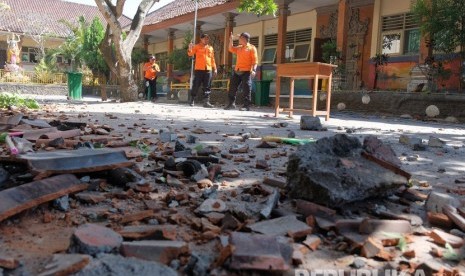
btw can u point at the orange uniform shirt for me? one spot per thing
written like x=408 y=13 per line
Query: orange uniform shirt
x=204 y=57
x=246 y=57
x=151 y=70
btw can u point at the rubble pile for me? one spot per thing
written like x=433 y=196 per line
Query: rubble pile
x=103 y=200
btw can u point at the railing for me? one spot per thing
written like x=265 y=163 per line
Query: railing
x=222 y=85
x=32 y=77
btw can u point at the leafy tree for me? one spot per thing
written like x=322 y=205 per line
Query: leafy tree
x=93 y=36
x=258 y=7
x=72 y=48
x=179 y=57
x=443 y=23
x=120 y=62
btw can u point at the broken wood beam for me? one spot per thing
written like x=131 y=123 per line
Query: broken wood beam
x=386 y=165
x=451 y=212
x=274 y=182
x=26 y=196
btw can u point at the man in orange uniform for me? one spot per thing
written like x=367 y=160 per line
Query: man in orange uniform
x=204 y=69
x=151 y=69
x=244 y=72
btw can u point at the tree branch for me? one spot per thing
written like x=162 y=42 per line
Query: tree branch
x=137 y=23
x=109 y=12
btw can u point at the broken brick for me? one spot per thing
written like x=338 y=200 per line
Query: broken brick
x=66 y=264
x=257 y=252
x=378 y=227
x=136 y=216
x=312 y=241
x=93 y=239
x=8 y=263
x=157 y=232
x=308 y=208
x=159 y=251
x=439 y=219
x=441 y=237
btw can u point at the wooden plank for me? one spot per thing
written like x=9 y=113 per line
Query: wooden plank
x=18 y=199
x=76 y=161
x=386 y=165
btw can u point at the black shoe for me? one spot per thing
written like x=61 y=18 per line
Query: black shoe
x=191 y=103
x=207 y=105
x=245 y=108
x=230 y=106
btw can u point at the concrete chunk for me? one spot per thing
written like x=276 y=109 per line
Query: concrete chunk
x=280 y=226
x=159 y=251
x=258 y=252
x=65 y=264
x=93 y=239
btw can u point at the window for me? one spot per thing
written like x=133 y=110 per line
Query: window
x=400 y=35
x=269 y=55
x=297 y=46
x=162 y=60
x=28 y=54
x=301 y=52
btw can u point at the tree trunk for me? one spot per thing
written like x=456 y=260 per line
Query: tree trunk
x=128 y=86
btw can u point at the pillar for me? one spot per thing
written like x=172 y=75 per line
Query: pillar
x=283 y=7
x=229 y=25
x=171 y=37
x=342 y=26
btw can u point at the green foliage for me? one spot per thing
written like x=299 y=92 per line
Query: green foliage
x=179 y=57
x=72 y=48
x=402 y=245
x=380 y=59
x=46 y=69
x=450 y=254
x=258 y=7
x=92 y=56
x=329 y=49
x=7 y=100
x=444 y=22
x=138 y=56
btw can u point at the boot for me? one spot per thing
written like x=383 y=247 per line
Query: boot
x=207 y=104
x=191 y=102
x=206 y=101
x=230 y=106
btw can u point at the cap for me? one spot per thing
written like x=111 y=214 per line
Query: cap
x=153 y=57
x=204 y=35
x=246 y=36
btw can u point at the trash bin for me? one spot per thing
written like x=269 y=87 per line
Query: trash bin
x=262 y=92
x=75 y=85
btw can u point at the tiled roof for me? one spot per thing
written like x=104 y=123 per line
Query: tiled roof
x=46 y=14
x=178 y=8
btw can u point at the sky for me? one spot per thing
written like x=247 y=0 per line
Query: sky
x=130 y=7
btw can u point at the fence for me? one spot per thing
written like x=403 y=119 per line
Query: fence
x=32 y=77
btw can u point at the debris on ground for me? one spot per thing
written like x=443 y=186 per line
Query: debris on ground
x=89 y=195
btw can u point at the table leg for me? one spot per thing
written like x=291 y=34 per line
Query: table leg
x=315 y=95
x=278 y=94
x=291 y=97
x=328 y=97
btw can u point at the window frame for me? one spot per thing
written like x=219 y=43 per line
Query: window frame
x=294 y=51
x=405 y=25
x=274 y=55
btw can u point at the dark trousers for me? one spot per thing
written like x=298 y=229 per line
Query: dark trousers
x=239 y=79
x=153 y=88
x=204 y=78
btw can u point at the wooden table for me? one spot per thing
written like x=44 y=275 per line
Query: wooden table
x=307 y=70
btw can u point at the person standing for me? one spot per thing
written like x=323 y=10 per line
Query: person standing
x=204 y=69
x=244 y=70
x=151 y=69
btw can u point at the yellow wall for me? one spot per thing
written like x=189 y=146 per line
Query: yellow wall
x=389 y=7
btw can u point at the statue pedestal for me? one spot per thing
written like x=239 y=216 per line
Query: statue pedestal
x=418 y=80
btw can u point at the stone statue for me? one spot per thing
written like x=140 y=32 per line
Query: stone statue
x=12 y=53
